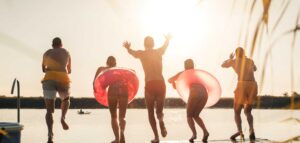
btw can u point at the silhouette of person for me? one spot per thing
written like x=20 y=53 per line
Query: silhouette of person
x=196 y=102
x=56 y=65
x=155 y=88
x=245 y=93
x=117 y=97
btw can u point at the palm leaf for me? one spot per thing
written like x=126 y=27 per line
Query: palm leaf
x=266 y=4
x=292 y=60
x=260 y=38
x=242 y=25
x=254 y=39
x=281 y=15
x=249 y=19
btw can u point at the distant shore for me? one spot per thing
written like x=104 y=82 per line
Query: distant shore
x=266 y=102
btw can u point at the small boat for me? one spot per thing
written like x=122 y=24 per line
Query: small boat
x=82 y=112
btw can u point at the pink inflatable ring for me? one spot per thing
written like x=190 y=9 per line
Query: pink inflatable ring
x=189 y=77
x=111 y=76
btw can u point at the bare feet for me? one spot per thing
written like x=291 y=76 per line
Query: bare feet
x=115 y=141
x=50 y=138
x=205 y=137
x=64 y=124
x=163 y=129
x=122 y=139
x=155 y=141
x=236 y=135
x=252 y=136
x=192 y=138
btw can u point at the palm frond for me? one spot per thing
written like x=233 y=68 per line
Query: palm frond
x=280 y=16
x=248 y=22
x=292 y=61
x=242 y=25
x=266 y=4
x=260 y=38
x=254 y=39
x=264 y=67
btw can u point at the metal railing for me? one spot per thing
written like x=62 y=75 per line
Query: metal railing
x=18 y=96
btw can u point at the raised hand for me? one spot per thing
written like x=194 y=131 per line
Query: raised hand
x=174 y=85
x=168 y=36
x=126 y=44
x=231 y=56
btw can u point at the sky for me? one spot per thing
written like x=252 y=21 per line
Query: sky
x=205 y=30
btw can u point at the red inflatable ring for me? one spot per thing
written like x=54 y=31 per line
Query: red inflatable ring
x=111 y=76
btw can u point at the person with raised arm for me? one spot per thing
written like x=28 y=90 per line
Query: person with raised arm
x=155 y=88
x=245 y=93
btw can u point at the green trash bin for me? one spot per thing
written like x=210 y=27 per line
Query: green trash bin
x=10 y=132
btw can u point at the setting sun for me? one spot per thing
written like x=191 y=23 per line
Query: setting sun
x=183 y=19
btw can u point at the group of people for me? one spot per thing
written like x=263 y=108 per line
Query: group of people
x=57 y=65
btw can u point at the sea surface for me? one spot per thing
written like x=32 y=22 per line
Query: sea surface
x=274 y=125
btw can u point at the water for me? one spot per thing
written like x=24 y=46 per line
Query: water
x=95 y=127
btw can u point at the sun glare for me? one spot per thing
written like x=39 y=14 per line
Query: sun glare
x=183 y=19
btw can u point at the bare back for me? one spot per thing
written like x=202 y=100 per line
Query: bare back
x=56 y=59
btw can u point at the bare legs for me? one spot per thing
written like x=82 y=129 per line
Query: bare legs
x=196 y=103
x=49 y=117
x=65 y=104
x=200 y=122
x=151 y=118
x=245 y=96
x=155 y=92
x=237 y=116
x=192 y=127
x=247 y=111
x=50 y=105
x=238 y=121
x=118 y=128
x=122 y=113
x=150 y=101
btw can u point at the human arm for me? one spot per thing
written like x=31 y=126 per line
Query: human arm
x=228 y=63
x=173 y=79
x=43 y=64
x=134 y=53
x=43 y=67
x=254 y=66
x=164 y=47
x=69 y=66
x=100 y=69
